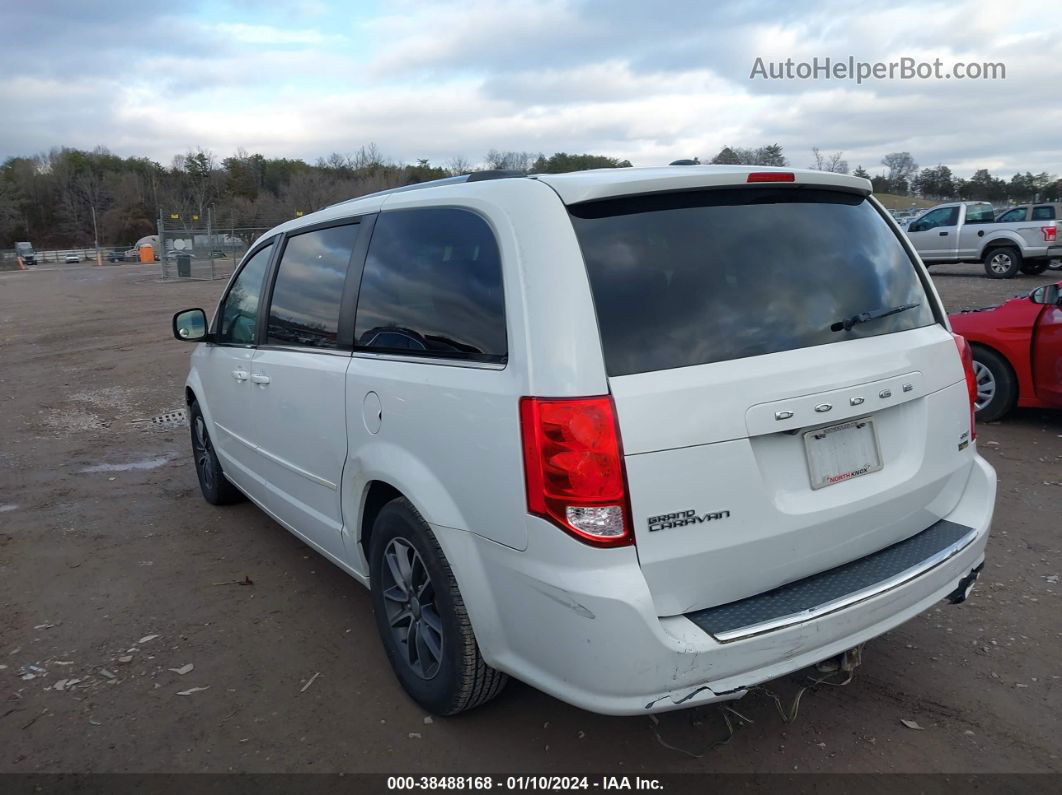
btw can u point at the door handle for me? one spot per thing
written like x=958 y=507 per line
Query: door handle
x=240 y=375
x=943 y=234
x=260 y=378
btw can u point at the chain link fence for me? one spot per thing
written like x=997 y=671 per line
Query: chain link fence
x=199 y=247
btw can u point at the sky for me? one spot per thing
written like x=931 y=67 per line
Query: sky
x=648 y=81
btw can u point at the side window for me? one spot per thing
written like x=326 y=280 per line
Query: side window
x=945 y=216
x=1044 y=213
x=1010 y=216
x=309 y=288
x=239 y=313
x=432 y=286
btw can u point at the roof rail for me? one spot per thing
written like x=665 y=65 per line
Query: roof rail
x=475 y=176
x=479 y=176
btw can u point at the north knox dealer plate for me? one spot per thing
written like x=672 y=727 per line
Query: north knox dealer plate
x=842 y=452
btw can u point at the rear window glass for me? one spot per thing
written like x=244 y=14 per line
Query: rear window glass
x=980 y=214
x=683 y=279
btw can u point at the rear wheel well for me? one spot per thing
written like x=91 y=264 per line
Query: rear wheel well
x=379 y=495
x=1002 y=242
x=189 y=396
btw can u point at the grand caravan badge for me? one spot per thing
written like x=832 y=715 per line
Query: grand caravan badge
x=683 y=518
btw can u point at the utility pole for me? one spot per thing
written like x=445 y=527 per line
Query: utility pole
x=96 y=235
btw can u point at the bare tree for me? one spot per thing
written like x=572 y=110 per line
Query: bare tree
x=834 y=162
x=511 y=161
x=902 y=169
x=367 y=158
x=458 y=165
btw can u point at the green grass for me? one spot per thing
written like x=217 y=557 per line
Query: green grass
x=893 y=202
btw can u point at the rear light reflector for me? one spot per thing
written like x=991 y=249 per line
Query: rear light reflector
x=1050 y=233
x=771 y=176
x=573 y=468
x=966 y=354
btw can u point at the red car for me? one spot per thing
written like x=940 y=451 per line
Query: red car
x=1017 y=352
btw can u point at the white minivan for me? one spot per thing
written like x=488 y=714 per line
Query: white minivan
x=642 y=438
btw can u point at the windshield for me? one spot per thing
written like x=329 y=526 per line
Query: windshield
x=681 y=279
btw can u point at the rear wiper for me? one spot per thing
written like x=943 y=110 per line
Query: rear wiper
x=874 y=314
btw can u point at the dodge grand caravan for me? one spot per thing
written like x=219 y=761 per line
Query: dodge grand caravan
x=642 y=438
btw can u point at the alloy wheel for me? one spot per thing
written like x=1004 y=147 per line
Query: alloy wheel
x=986 y=385
x=202 y=450
x=409 y=603
x=1000 y=262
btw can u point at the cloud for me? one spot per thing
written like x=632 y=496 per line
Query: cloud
x=267 y=34
x=439 y=79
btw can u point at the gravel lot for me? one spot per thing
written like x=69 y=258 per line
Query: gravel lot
x=113 y=572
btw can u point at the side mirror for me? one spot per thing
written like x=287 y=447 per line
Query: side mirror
x=190 y=325
x=917 y=227
x=1048 y=294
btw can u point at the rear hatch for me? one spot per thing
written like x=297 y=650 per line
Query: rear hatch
x=776 y=420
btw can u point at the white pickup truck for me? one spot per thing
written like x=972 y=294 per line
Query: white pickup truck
x=969 y=232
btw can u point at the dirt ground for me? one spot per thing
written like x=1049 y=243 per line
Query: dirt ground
x=114 y=572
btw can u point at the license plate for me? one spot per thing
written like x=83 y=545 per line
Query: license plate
x=842 y=452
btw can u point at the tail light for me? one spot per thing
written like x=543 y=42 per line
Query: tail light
x=971 y=380
x=573 y=468
x=771 y=176
x=1050 y=233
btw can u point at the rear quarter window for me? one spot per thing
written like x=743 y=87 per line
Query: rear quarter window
x=685 y=279
x=432 y=286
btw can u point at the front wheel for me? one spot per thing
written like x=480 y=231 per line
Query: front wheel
x=212 y=482
x=1002 y=263
x=422 y=618
x=997 y=389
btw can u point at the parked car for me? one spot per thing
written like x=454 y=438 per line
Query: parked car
x=24 y=251
x=1017 y=352
x=1048 y=211
x=574 y=429
x=116 y=255
x=72 y=258
x=969 y=231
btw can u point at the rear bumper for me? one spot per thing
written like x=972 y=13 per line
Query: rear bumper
x=579 y=623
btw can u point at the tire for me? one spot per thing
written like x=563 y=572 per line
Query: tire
x=216 y=488
x=1002 y=262
x=1054 y=264
x=1035 y=267
x=997 y=388
x=443 y=670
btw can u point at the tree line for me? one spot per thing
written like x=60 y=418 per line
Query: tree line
x=50 y=199
x=901 y=175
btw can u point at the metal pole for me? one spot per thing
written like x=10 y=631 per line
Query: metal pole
x=96 y=235
x=210 y=238
x=162 y=248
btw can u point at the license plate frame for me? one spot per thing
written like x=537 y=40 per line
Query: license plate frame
x=842 y=452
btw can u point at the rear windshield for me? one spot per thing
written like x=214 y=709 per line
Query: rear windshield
x=681 y=279
x=980 y=214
